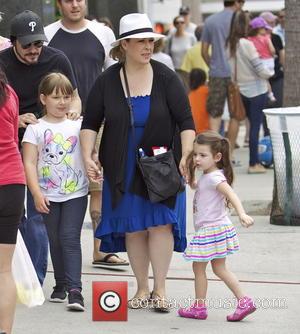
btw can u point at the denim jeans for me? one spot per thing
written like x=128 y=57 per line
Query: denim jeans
x=254 y=107
x=64 y=224
x=34 y=233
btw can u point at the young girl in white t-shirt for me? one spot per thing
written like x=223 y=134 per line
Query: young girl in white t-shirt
x=57 y=180
x=215 y=235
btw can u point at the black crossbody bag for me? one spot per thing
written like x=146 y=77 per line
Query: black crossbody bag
x=160 y=172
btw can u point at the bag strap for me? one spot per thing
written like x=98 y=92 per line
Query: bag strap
x=235 y=68
x=128 y=99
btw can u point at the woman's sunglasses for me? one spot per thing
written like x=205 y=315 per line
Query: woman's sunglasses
x=37 y=44
x=179 y=22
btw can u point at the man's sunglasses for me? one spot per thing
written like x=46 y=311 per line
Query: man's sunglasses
x=37 y=44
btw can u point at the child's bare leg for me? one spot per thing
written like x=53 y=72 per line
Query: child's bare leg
x=270 y=93
x=199 y=269
x=220 y=269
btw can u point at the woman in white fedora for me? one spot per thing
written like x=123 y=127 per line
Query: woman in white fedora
x=130 y=222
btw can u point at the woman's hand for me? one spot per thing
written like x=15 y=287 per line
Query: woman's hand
x=41 y=203
x=183 y=168
x=93 y=170
x=246 y=220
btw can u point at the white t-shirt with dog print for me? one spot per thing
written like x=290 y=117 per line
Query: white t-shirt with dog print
x=61 y=171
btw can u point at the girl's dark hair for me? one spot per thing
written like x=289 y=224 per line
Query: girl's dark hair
x=238 y=29
x=253 y=32
x=217 y=144
x=197 y=78
x=3 y=88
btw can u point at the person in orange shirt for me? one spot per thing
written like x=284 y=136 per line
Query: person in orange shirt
x=198 y=96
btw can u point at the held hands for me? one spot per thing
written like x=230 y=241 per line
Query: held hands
x=73 y=115
x=183 y=168
x=93 y=170
x=25 y=119
x=246 y=220
x=41 y=203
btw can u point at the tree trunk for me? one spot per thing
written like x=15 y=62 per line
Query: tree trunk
x=292 y=63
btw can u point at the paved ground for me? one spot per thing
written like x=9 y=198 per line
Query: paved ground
x=267 y=265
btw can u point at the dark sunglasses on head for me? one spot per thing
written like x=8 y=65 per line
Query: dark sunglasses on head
x=37 y=44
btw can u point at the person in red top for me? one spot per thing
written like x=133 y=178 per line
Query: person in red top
x=12 y=192
x=198 y=97
x=260 y=36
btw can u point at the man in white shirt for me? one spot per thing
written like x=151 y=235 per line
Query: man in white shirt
x=87 y=44
x=280 y=28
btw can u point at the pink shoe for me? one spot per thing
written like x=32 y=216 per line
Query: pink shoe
x=245 y=307
x=194 y=312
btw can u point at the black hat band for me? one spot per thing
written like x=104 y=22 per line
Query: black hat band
x=136 y=31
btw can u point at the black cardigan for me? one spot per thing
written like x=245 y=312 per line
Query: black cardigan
x=169 y=109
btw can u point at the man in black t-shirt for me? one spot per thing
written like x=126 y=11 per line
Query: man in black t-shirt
x=25 y=64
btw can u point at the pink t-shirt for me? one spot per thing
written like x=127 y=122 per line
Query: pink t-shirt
x=4 y=43
x=209 y=205
x=261 y=43
x=11 y=166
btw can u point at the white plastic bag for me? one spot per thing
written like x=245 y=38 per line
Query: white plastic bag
x=29 y=290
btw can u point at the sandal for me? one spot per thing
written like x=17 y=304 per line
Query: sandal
x=107 y=261
x=136 y=303
x=160 y=304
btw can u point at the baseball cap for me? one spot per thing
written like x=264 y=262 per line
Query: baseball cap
x=259 y=22
x=27 y=27
x=184 y=10
x=268 y=16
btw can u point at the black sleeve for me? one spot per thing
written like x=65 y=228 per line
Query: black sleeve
x=178 y=103
x=94 y=112
x=277 y=42
x=66 y=68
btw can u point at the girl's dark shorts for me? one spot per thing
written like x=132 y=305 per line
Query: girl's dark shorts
x=11 y=211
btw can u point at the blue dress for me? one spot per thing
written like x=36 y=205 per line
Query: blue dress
x=135 y=213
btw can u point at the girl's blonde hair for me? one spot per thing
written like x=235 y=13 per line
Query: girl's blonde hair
x=217 y=144
x=55 y=82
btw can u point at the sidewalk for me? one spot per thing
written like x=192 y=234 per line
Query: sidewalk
x=267 y=265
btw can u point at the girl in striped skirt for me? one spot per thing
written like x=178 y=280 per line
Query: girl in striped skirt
x=215 y=236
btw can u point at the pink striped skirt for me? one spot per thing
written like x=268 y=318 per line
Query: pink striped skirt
x=212 y=242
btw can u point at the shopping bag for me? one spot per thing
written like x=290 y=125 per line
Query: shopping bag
x=29 y=290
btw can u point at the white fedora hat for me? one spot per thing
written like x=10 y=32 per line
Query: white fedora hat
x=136 y=25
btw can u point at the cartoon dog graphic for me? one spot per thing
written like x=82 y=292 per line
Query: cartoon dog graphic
x=57 y=172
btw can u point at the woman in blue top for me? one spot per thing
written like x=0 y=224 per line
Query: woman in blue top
x=130 y=222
